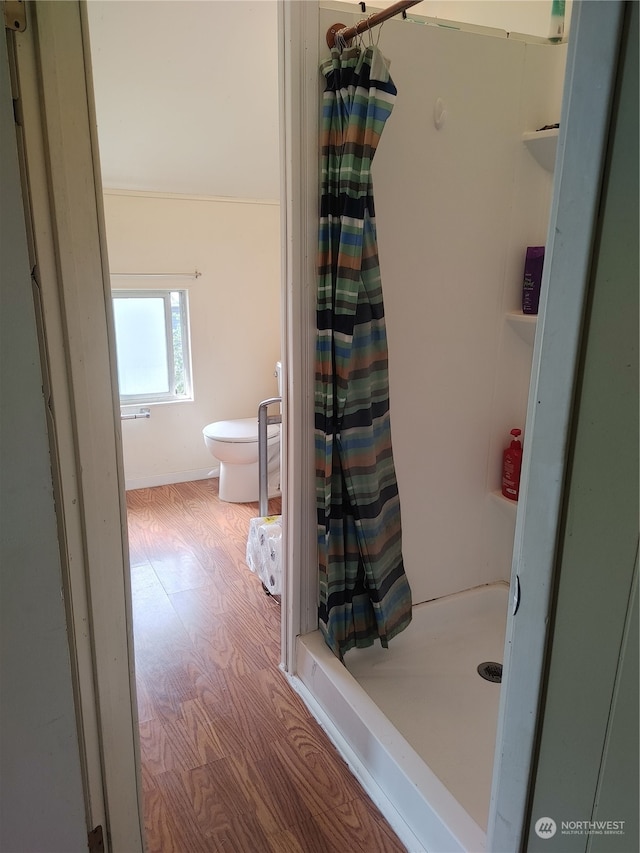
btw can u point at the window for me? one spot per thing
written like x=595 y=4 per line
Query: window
x=152 y=345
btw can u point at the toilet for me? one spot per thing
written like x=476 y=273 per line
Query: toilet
x=234 y=444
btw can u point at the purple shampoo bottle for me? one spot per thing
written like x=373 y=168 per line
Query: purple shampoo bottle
x=532 y=279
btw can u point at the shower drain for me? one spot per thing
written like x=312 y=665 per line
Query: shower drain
x=491 y=671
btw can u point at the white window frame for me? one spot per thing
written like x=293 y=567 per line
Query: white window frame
x=165 y=294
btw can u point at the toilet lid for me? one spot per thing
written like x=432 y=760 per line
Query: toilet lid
x=241 y=430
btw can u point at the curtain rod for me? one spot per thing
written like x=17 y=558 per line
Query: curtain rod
x=347 y=33
x=194 y=274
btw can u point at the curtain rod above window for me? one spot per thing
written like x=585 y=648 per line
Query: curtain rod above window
x=194 y=274
x=347 y=33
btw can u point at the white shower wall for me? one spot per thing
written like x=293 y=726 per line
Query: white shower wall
x=456 y=208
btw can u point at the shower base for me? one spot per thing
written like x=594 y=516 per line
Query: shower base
x=416 y=722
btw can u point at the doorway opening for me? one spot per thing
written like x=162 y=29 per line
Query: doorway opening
x=190 y=152
x=78 y=279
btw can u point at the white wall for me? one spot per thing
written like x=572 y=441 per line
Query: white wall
x=234 y=315
x=456 y=209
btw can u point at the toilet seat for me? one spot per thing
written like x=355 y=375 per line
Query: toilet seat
x=240 y=431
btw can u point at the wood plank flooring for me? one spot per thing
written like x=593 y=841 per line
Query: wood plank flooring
x=231 y=759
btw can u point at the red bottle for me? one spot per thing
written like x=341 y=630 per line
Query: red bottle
x=511 y=465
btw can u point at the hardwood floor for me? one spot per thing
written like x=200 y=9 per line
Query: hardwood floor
x=231 y=759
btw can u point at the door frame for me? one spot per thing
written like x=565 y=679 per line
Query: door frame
x=66 y=229
x=298 y=78
x=66 y=207
x=590 y=76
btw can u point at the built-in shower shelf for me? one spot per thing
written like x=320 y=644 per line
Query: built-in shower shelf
x=505 y=503
x=542 y=144
x=523 y=324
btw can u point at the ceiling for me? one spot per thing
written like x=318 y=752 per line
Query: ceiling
x=186 y=95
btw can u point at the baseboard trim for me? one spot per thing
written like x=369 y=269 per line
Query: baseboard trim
x=169 y=478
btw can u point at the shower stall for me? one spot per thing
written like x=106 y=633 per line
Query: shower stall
x=462 y=186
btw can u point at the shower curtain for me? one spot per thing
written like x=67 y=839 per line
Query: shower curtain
x=364 y=592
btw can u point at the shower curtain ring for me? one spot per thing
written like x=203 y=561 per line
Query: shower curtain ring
x=339 y=41
x=358 y=36
x=369 y=28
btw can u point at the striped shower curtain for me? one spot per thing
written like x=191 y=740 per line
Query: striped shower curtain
x=364 y=592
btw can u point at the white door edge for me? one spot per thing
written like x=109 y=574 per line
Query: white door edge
x=584 y=124
x=298 y=33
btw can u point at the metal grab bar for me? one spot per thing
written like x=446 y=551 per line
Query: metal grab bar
x=265 y=420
